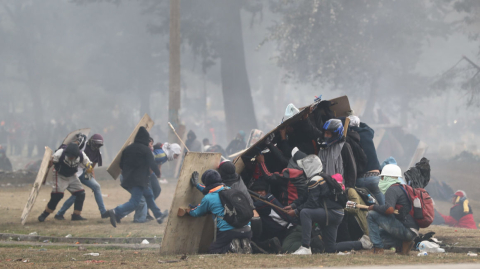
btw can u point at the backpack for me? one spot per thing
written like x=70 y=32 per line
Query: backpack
x=363 y=193
x=337 y=194
x=422 y=205
x=237 y=209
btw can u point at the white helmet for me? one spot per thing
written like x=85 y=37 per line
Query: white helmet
x=391 y=170
x=290 y=111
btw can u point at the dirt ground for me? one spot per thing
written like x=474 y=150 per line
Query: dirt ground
x=13 y=200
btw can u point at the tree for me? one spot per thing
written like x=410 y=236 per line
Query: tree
x=212 y=32
x=350 y=45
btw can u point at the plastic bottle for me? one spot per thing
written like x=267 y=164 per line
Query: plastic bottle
x=371 y=200
x=430 y=247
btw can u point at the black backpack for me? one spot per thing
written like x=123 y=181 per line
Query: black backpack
x=363 y=193
x=237 y=209
x=337 y=194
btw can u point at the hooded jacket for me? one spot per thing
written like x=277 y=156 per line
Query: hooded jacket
x=318 y=190
x=459 y=218
x=137 y=160
x=290 y=185
x=353 y=138
x=192 y=143
x=233 y=180
x=366 y=142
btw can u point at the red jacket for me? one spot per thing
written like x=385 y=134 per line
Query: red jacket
x=461 y=219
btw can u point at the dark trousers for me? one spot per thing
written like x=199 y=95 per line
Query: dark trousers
x=222 y=244
x=329 y=232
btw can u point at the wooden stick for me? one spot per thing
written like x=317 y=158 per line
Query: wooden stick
x=345 y=128
x=270 y=204
x=173 y=129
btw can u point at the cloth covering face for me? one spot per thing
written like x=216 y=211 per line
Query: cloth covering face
x=387 y=182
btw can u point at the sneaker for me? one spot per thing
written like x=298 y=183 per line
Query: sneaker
x=43 y=216
x=235 y=246
x=113 y=217
x=77 y=217
x=162 y=217
x=366 y=243
x=149 y=217
x=59 y=217
x=105 y=215
x=247 y=248
x=303 y=251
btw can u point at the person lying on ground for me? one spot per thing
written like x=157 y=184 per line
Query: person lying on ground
x=92 y=150
x=64 y=177
x=319 y=207
x=237 y=144
x=228 y=238
x=136 y=162
x=336 y=154
x=461 y=214
x=290 y=186
x=5 y=163
x=387 y=229
x=370 y=177
x=276 y=224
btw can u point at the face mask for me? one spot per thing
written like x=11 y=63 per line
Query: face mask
x=386 y=182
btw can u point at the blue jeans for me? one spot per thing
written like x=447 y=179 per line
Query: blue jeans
x=137 y=194
x=387 y=231
x=371 y=183
x=142 y=209
x=92 y=184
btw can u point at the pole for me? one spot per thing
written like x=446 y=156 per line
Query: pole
x=174 y=67
x=261 y=198
x=180 y=139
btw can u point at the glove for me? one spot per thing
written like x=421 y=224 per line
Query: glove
x=194 y=179
x=89 y=168
x=269 y=139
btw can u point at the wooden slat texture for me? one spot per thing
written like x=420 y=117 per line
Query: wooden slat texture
x=114 y=168
x=42 y=173
x=189 y=235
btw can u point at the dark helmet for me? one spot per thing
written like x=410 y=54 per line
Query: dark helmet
x=336 y=127
x=95 y=142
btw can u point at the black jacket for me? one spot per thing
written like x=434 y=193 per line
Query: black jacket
x=353 y=138
x=366 y=141
x=396 y=198
x=349 y=166
x=137 y=160
x=318 y=192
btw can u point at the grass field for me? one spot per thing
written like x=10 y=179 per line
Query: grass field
x=12 y=202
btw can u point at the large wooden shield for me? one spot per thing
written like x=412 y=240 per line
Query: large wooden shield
x=189 y=235
x=41 y=175
x=71 y=136
x=114 y=168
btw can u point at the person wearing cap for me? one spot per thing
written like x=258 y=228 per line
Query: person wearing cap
x=64 y=177
x=228 y=238
x=276 y=224
x=320 y=208
x=92 y=150
x=388 y=229
x=461 y=214
x=289 y=186
x=230 y=178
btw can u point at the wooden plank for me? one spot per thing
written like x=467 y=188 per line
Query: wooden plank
x=419 y=153
x=42 y=173
x=341 y=107
x=71 y=136
x=114 y=167
x=378 y=137
x=188 y=235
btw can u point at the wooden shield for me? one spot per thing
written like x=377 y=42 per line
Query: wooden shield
x=71 y=136
x=189 y=235
x=114 y=168
x=41 y=175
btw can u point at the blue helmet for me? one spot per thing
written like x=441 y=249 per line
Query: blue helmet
x=336 y=127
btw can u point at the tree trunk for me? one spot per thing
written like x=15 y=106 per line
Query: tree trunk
x=237 y=97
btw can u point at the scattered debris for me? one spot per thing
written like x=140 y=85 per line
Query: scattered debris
x=80 y=248
x=46 y=241
x=26 y=260
x=145 y=242
x=34 y=233
x=68 y=236
x=92 y=254
x=73 y=259
x=422 y=254
x=343 y=253
x=183 y=258
x=472 y=254
x=19 y=260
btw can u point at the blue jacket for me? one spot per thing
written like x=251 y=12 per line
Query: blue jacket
x=211 y=204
